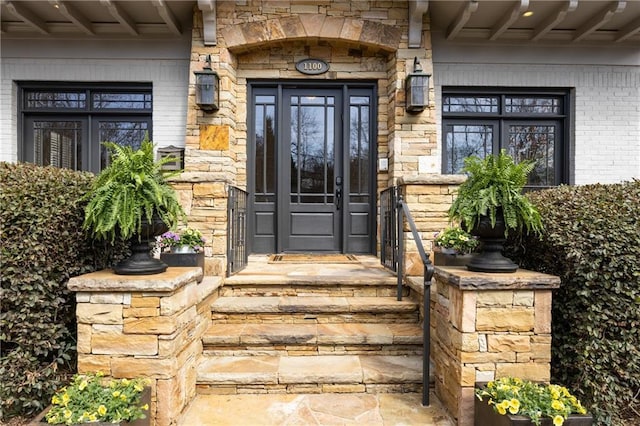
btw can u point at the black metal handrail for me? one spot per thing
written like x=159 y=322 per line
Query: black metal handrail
x=237 y=254
x=393 y=212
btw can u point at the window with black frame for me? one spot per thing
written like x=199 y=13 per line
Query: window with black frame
x=64 y=125
x=529 y=125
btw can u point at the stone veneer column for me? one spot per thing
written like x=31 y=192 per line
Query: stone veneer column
x=146 y=326
x=429 y=198
x=487 y=326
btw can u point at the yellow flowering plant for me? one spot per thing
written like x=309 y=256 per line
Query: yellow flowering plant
x=93 y=398
x=525 y=398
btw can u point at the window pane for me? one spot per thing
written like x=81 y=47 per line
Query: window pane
x=48 y=99
x=470 y=104
x=359 y=131
x=312 y=145
x=57 y=143
x=140 y=101
x=265 y=146
x=464 y=140
x=125 y=133
x=532 y=105
x=534 y=142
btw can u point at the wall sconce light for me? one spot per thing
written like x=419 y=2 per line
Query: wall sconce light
x=417 y=88
x=207 y=82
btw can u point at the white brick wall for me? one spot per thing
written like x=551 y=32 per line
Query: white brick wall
x=607 y=109
x=167 y=71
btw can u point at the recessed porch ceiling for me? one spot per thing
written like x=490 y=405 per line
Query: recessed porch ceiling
x=561 y=21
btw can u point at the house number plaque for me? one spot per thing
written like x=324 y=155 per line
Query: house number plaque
x=312 y=66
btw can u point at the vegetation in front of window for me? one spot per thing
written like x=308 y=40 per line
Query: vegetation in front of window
x=591 y=240
x=42 y=246
x=132 y=188
x=91 y=398
x=495 y=183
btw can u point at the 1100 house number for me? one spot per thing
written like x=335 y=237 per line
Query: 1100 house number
x=312 y=66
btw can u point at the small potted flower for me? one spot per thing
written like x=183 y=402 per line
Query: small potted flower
x=182 y=249
x=513 y=401
x=453 y=247
x=91 y=398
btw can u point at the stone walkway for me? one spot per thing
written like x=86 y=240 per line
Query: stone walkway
x=315 y=409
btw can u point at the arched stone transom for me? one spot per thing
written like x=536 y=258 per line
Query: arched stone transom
x=247 y=36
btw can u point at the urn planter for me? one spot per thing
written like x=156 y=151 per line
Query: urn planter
x=141 y=262
x=485 y=415
x=489 y=257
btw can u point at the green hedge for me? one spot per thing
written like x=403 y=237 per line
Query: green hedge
x=42 y=245
x=592 y=241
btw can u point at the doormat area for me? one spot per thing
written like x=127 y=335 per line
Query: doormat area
x=312 y=258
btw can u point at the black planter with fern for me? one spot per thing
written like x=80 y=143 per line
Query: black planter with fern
x=141 y=262
x=490 y=204
x=131 y=200
x=489 y=257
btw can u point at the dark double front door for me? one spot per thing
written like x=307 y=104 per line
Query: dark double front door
x=311 y=169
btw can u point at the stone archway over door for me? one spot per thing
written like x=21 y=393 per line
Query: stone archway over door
x=311 y=167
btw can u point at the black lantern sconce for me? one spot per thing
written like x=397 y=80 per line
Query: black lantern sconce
x=207 y=82
x=417 y=88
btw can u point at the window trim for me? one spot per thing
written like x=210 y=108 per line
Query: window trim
x=90 y=153
x=562 y=157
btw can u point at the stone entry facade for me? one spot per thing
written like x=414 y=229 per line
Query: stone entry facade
x=260 y=41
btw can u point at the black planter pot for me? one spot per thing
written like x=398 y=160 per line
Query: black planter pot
x=141 y=262
x=489 y=257
x=485 y=415
x=449 y=257
x=184 y=259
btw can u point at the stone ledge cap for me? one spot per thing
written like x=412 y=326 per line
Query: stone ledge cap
x=522 y=279
x=432 y=179
x=107 y=281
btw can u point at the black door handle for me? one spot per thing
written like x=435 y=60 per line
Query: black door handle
x=338 y=198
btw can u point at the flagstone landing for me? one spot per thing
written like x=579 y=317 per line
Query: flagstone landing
x=315 y=409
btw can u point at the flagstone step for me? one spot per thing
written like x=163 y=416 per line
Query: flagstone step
x=313 y=339
x=320 y=309
x=310 y=374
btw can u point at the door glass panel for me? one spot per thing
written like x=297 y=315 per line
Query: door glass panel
x=534 y=142
x=359 y=148
x=57 y=143
x=312 y=149
x=462 y=141
x=125 y=133
x=265 y=149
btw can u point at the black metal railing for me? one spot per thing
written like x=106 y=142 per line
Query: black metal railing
x=393 y=213
x=237 y=255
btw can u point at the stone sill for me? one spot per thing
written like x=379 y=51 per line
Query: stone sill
x=107 y=281
x=432 y=179
x=522 y=279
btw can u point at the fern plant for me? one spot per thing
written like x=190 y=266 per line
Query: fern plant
x=131 y=188
x=495 y=183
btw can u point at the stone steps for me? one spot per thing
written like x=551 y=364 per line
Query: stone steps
x=313 y=309
x=313 y=339
x=312 y=329
x=309 y=374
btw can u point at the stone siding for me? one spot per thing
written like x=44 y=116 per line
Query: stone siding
x=362 y=41
x=428 y=198
x=146 y=326
x=488 y=326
